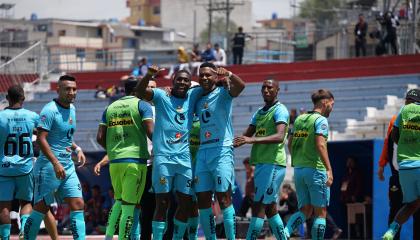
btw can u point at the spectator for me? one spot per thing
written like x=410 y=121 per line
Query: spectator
x=288 y=202
x=94 y=205
x=86 y=191
x=249 y=189
x=183 y=62
x=239 y=45
x=220 y=55
x=100 y=92
x=208 y=54
x=195 y=58
x=360 y=31
x=352 y=183
x=391 y=23
x=141 y=68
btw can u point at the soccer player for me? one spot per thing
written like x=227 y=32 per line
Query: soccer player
x=54 y=170
x=123 y=132
x=313 y=174
x=406 y=133
x=215 y=166
x=16 y=161
x=172 y=159
x=269 y=125
x=194 y=145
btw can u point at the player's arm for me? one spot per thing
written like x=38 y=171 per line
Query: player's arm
x=321 y=147
x=99 y=165
x=289 y=143
x=146 y=112
x=141 y=88
x=395 y=134
x=249 y=132
x=233 y=82
x=81 y=158
x=46 y=150
x=148 y=125
x=101 y=135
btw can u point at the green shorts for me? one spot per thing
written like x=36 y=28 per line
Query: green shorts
x=128 y=181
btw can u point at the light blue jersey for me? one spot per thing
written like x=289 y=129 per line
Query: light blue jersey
x=174 y=118
x=16 y=152
x=60 y=122
x=215 y=112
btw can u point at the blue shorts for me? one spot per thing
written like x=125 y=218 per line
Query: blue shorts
x=311 y=187
x=48 y=186
x=20 y=187
x=410 y=184
x=214 y=170
x=169 y=174
x=268 y=179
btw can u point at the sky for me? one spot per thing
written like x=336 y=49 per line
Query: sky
x=106 y=9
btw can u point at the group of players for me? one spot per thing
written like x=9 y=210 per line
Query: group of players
x=194 y=176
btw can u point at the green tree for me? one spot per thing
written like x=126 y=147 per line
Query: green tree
x=218 y=30
x=323 y=12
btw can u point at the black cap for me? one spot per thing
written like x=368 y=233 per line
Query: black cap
x=413 y=94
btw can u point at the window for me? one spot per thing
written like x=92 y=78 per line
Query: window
x=99 y=54
x=156 y=10
x=42 y=27
x=99 y=32
x=80 y=53
x=329 y=53
x=61 y=33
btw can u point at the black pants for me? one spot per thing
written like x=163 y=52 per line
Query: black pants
x=238 y=53
x=360 y=45
x=391 y=39
x=147 y=204
x=245 y=206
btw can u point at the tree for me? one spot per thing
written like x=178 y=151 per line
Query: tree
x=218 y=31
x=323 y=12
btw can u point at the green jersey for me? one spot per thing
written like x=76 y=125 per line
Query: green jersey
x=265 y=122
x=194 y=140
x=304 y=152
x=408 y=123
x=125 y=137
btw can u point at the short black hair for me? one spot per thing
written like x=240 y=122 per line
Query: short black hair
x=130 y=85
x=208 y=64
x=320 y=94
x=15 y=93
x=67 y=77
x=183 y=71
x=216 y=45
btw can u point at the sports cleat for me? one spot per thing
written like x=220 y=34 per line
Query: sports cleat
x=388 y=236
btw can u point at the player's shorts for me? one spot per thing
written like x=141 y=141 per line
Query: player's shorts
x=128 y=181
x=172 y=173
x=48 y=186
x=214 y=170
x=268 y=179
x=410 y=184
x=311 y=187
x=19 y=187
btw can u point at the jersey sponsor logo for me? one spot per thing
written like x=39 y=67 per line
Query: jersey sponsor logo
x=270 y=190
x=207 y=134
x=121 y=122
x=261 y=132
x=411 y=126
x=21 y=119
x=70 y=133
x=301 y=134
x=5 y=165
x=163 y=180
x=64 y=155
x=178 y=135
x=205 y=116
x=210 y=141
x=179 y=118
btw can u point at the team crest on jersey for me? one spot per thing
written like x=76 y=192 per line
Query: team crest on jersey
x=324 y=126
x=178 y=135
x=179 y=109
x=207 y=134
x=162 y=180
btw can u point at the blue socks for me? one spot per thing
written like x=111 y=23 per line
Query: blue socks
x=179 y=229
x=158 y=229
x=5 y=231
x=23 y=219
x=135 y=229
x=318 y=229
x=254 y=228
x=277 y=227
x=294 y=222
x=207 y=223
x=32 y=225
x=192 y=228
x=77 y=224
x=229 y=222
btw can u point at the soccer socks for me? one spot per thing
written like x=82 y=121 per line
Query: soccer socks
x=126 y=221
x=192 y=228
x=135 y=229
x=5 y=231
x=32 y=225
x=392 y=230
x=179 y=229
x=254 y=228
x=318 y=229
x=277 y=227
x=158 y=229
x=294 y=222
x=113 y=219
x=207 y=223
x=229 y=222
x=23 y=219
x=77 y=224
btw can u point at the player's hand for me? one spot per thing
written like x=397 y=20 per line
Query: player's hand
x=222 y=72
x=81 y=159
x=239 y=141
x=381 y=173
x=97 y=169
x=330 y=178
x=154 y=70
x=60 y=173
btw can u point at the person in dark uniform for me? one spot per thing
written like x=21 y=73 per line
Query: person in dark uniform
x=360 y=35
x=238 y=45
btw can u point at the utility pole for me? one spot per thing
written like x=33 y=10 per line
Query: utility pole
x=210 y=20
x=414 y=27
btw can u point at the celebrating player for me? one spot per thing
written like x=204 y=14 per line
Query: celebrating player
x=269 y=124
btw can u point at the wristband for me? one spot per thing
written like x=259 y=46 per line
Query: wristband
x=77 y=150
